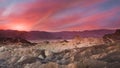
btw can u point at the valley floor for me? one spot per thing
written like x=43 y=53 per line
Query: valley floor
x=61 y=54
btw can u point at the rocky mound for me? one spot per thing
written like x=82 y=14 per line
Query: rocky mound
x=112 y=38
x=7 y=40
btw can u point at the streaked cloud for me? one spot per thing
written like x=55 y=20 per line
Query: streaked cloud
x=60 y=15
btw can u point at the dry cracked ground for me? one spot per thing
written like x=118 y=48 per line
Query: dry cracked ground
x=76 y=53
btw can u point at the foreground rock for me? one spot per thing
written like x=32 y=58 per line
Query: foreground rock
x=99 y=56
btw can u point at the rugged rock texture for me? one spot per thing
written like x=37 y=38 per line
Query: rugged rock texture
x=112 y=38
x=43 y=55
x=99 y=56
x=19 y=41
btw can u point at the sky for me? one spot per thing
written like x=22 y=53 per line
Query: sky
x=59 y=15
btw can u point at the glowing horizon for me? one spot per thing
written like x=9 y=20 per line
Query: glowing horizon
x=59 y=15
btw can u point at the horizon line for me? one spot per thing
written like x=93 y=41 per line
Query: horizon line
x=53 y=31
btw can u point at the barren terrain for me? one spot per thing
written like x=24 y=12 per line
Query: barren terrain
x=75 y=53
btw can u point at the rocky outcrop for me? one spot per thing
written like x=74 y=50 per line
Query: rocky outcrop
x=112 y=38
x=7 y=40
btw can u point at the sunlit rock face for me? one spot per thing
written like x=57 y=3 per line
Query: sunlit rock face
x=112 y=38
x=90 y=41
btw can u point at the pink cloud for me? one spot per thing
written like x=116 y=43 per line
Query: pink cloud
x=41 y=15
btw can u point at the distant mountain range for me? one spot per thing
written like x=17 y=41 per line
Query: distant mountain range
x=39 y=35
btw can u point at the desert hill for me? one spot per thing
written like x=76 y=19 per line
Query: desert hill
x=76 y=53
x=38 y=35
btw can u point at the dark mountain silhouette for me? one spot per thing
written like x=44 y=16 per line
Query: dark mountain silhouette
x=37 y=35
